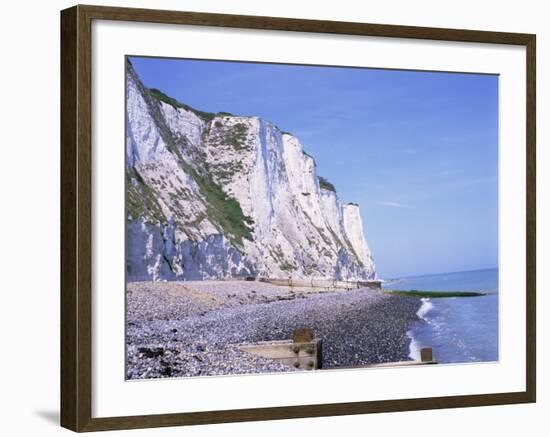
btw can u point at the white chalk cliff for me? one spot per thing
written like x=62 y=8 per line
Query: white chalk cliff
x=216 y=196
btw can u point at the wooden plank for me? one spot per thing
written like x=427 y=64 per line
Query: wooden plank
x=400 y=364
x=383 y=365
x=304 y=355
x=282 y=349
x=426 y=357
x=305 y=363
x=70 y=403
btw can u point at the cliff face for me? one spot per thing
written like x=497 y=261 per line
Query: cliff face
x=218 y=196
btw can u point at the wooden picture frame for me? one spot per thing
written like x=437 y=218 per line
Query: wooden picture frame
x=76 y=217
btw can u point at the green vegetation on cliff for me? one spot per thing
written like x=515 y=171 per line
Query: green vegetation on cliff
x=206 y=116
x=141 y=200
x=223 y=211
x=326 y=185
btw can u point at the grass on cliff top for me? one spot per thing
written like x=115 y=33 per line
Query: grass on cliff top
x=436 y=294
x=206 y=116
x=223 y=210
x=325 y=184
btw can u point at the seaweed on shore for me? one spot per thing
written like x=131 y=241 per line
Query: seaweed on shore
x=436 y=294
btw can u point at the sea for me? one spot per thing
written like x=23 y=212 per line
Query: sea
x=458 y=329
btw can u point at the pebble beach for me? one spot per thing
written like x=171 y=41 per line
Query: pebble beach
x=195 y=328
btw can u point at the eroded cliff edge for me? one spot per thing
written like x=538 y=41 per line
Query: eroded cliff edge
x=213 y=196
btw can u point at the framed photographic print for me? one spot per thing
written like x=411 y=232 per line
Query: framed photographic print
x=268 y=218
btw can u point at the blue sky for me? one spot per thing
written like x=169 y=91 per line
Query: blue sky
x=417 y=150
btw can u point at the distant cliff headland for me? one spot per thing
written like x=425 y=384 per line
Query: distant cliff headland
x=215 y=196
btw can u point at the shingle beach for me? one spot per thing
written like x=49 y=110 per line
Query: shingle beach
x=194 y=328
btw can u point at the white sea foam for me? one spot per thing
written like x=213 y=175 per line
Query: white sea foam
x=414 y=345
x=424 y=308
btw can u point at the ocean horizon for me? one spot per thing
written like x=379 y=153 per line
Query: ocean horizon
x=421 y=275
x=458 y=329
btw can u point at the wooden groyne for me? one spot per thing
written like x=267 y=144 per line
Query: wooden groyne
x=322 y=283
x=306 y=282
x=304 y=351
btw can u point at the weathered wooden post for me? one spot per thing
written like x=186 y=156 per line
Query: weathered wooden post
x=308 y=350
x=303 y=351
x=426 y=354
